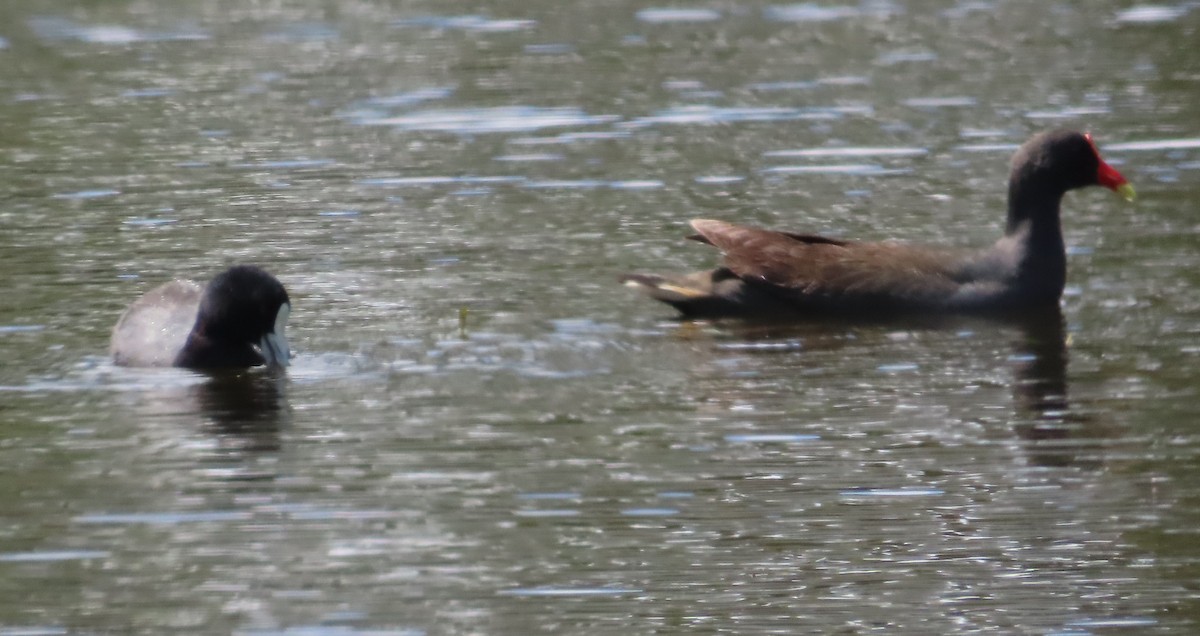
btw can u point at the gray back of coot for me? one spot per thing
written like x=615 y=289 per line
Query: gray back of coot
x=154 y=329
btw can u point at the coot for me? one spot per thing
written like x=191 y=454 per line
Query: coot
x=771 y=273
x=235 y=321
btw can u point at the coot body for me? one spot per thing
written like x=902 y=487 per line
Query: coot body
x=237 y=320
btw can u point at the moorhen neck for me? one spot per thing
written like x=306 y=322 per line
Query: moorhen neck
x=771 y=273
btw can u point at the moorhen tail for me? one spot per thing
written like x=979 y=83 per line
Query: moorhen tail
x=236 y=321
x=770 y=273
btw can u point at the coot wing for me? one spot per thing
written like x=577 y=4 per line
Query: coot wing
x=154 y=329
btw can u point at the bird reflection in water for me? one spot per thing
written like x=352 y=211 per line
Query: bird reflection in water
x=1052 y=433
x=248 y=407
x=1044 y=416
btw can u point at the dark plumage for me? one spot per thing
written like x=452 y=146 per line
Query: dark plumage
x=236 y=321
x=768 y=273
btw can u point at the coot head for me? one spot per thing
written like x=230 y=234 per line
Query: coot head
x=243 y=306
x=234 y=321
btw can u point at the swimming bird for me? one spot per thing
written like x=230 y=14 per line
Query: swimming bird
x=237 y=320
x=768 y=274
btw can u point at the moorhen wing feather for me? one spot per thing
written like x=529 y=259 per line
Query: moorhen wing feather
x=769 y=273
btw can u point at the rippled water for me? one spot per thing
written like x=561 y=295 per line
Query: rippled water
x=482 y=432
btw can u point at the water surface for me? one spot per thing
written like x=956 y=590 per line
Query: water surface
x=483 y=432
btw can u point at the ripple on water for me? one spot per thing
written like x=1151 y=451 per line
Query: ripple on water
x=810 y=12
x=533 y=157
x=499 y=119
x=666 y=15
x=905 y=57
x=844 y=80
x=569 y=184
x=284 y=164
x=1070 y=112
x=147 y=92
x=783 y=345
x=898 y=367
x=163 y=518
x=649 y=512
x=51 y=556
x=849 y=151
x=409 y=98
x=1114 y=622
x=571 y=137
x=569 y=591
x=940 y=102
x=683 y=85
x=771 y=438
x=548 y=513
x=86 y=194
x=704 y=114
x=866 y=169
x=58 y=29
x=1156 y=144
x=474 y=23
x=434 y=180
x=6 y=329
x=340 y=514
x=148 y=222
x=885 y=493
x=534 y=496
x=718 y=179
x=33 y=631
x=636 y=184
x=1151 y=14
x=548 y=49
x=997 y=147
x=303 y=32
x=768 y=87
x=325 y=629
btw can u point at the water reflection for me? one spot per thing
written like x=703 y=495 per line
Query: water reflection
x=1052 y=433
x=246 y=410
x=1045 y=417
x=249 y=406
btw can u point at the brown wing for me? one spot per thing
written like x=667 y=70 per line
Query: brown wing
x=810 y=268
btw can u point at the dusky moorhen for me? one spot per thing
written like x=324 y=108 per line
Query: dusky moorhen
x=236 y=321
x=770 y=274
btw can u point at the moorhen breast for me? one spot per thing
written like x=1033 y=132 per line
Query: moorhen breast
x=772 y=273
x=235 y=321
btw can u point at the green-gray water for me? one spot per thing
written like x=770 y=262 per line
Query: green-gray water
x=563 y=457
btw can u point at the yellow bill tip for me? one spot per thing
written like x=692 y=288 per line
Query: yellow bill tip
x=1126 y=191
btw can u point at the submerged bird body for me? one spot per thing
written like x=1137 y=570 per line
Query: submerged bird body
x=235 y=321
x=770 y=273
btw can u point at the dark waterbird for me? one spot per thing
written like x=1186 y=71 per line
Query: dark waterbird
x=769 y=274
x=236 y=321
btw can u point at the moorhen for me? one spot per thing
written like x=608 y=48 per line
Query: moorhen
x=771 y=273
x=236 y=321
